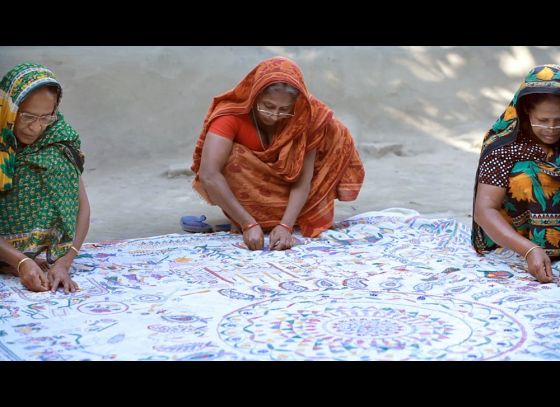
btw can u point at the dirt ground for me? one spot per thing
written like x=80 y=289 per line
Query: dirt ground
x=417 y=114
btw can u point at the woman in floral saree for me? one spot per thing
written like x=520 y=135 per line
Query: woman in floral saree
x=517 y=191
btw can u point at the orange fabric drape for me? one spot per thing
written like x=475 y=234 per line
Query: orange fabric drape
x=261 y=180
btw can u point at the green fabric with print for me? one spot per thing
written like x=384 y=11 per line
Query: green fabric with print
x=39 y=208
x=43 y=204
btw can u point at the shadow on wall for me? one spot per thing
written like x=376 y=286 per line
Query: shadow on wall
x=149 y=102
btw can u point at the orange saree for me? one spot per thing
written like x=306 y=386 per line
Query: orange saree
x=261 y=180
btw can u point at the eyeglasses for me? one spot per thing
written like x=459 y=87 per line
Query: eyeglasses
x=268 y=113
x=28 y=118
x=540 y=126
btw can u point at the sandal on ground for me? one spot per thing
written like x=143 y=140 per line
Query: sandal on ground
x=195 y=224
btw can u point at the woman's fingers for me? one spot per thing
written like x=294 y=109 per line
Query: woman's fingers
x=282 y=244
x=542 y=272
x=548 y=271
x=544 y=275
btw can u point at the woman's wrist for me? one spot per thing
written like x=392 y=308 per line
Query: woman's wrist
x=248 y=226
x=66 y=260
x=287 y=227
x=532 y=248
x=20 y=264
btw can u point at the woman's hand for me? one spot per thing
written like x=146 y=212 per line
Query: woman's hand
x=539 y=265
x=59 y=276
x=32 y=277
x=280 y=239
x=254 y=238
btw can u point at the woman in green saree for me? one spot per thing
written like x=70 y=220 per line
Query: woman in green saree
x=44 y=207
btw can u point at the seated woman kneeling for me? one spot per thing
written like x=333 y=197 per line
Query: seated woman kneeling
x=517 y=194
x=274 y=157
x=43 y=203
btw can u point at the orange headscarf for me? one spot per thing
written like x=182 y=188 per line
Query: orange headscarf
x=261 y=180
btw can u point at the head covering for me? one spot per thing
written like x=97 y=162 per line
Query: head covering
x=19 y=82
x=541 y=79
x=299 y=135
x=39 y=182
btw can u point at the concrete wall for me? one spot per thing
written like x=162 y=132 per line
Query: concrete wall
x=140 y=109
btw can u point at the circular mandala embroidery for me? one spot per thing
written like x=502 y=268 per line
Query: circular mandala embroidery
x=353 y=325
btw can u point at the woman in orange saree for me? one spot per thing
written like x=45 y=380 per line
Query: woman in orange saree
x=273 y=157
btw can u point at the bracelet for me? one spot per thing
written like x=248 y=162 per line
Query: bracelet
x=290 y=229
x=248 y=226
x=21 y=262
x=76 y=250
x=529 y=251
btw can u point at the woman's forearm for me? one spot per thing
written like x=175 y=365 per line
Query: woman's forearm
x=296 y=201
x=300 y=191
x=501 y=232
x=83 y=219
x=219 y=191
x=82 y=226
x=10 y=254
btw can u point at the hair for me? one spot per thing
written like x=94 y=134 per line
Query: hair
x=53 y=89
x=528 y=103
x=282 y=87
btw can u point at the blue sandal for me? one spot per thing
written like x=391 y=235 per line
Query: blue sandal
x=196 y=224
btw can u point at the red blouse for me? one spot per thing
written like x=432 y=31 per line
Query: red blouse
x=238 y=128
